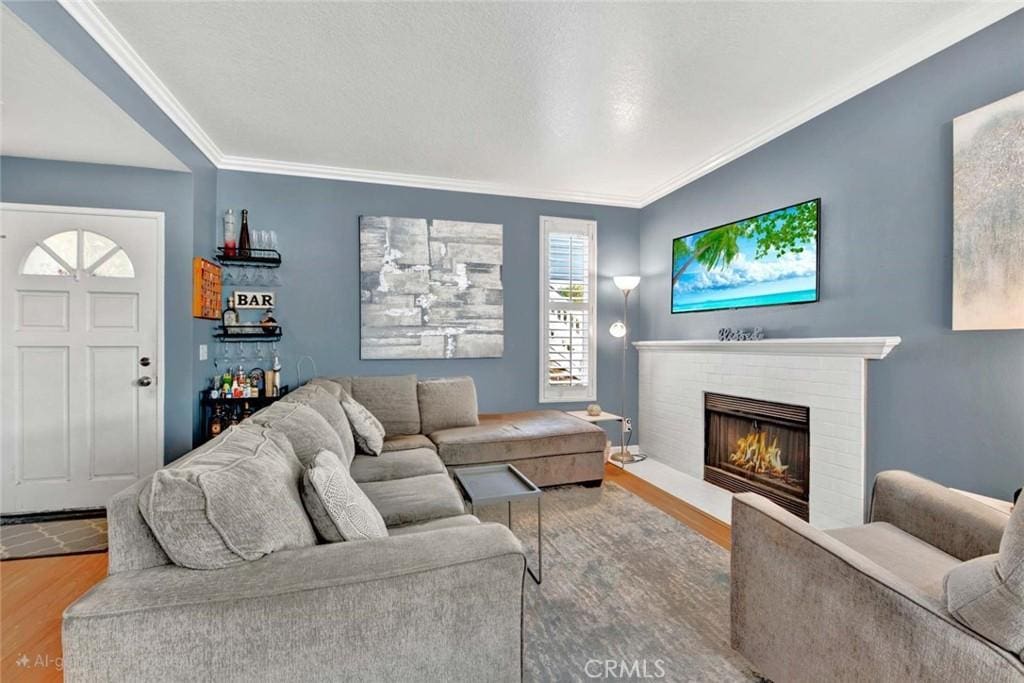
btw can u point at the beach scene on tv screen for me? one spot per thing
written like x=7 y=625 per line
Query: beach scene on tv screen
x=761 y=261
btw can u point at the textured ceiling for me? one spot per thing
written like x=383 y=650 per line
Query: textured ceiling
x=615 y=101
x=51 y=111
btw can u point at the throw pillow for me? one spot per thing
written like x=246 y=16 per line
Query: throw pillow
x=446 y=403
x=320 y=400
x=332 y=387
x=367 y=429
x=233 y=502
x=306 y=429
x=986 y=594
x=338 y=507
x=392 y=400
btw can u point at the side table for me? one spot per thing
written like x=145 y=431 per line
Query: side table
x=623 y=457
x=485 y=484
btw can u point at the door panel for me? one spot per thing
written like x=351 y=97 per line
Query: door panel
x=113 y=311
x=43 y=311
x=76 y=425
x=43 y=417
x=113 y=409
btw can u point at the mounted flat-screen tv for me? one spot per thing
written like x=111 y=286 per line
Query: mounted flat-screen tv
x=766 y=260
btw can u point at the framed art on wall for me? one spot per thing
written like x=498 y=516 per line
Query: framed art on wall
x=988 y=217
x=430 y=289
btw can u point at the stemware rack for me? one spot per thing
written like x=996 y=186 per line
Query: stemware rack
x=247 y=333
x=263 y=258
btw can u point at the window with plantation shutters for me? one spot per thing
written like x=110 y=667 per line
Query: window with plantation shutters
x=568 y=309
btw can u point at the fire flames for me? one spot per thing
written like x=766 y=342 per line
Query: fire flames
x=754 y=454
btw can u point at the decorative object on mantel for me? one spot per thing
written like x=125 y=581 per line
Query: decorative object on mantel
x=430 y=289
x=740 y=334
x=988 y=202
x=766 y=260
x=206 y=289
x=594 y=410
x=620 y=329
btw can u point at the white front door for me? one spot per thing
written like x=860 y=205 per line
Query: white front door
x=81 y=317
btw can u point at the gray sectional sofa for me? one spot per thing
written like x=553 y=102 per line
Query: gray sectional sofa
x=216 y=572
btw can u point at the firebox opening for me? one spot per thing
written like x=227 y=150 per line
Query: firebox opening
x=759 y=446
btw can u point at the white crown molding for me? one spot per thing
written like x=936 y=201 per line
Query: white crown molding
x=871 y=348
x=96 y=24
x=950 y=32
x=252 y=165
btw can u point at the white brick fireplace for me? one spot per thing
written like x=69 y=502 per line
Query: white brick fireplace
x=828 y=375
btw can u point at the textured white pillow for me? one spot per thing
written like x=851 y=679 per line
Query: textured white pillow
x=367 y=429
x=338 y=507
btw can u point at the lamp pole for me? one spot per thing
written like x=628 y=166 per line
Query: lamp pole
x=626 y=285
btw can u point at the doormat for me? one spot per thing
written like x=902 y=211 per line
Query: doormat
x=47 y=539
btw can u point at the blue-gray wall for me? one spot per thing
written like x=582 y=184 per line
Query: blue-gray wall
x=317 y=222
x=36 y=181
x=947 y=405
x=66 y=36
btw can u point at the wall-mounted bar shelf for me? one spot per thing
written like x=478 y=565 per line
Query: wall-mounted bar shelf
x=263 y=258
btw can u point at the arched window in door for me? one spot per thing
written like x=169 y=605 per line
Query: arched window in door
x=66 y=253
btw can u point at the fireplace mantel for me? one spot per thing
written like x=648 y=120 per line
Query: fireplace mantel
x=871 y=348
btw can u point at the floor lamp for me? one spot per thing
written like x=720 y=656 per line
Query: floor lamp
x=620 y=329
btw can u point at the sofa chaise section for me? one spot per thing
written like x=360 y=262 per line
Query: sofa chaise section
x=549 y=446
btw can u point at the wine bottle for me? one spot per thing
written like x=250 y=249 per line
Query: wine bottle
x=243 y=237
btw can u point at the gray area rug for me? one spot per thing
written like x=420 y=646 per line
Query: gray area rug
x=46 y=539
x=629 y=593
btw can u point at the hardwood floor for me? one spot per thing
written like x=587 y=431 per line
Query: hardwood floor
x=35 y=592
x=33 y=595
x=698 y=520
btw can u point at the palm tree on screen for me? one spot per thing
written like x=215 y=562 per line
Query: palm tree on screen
x=780 y=232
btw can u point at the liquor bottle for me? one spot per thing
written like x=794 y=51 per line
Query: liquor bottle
x=243 y=237
x=236 y=389
x=229 y=317
x=230 y=233
x=225 y=385
x=276 y=367
x=246 y=410
x=234 y=415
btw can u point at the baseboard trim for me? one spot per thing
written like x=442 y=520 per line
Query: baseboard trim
x=55 y=516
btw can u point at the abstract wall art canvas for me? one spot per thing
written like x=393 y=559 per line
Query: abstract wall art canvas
x=430 y=289
x=988 y=217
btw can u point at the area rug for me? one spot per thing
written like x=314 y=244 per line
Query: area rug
x=46 y=539
x=629 y=593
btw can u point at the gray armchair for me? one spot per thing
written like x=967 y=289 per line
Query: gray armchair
x=867 y=602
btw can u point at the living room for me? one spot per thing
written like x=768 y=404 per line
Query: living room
x=512 y=341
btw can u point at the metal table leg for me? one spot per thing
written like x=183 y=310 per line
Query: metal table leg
x=538 y=577
x=540 y=547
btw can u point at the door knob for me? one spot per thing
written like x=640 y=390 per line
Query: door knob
x=144 y=361
x=145 y=381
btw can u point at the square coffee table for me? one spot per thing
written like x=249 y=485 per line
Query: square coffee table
x=487 y=484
